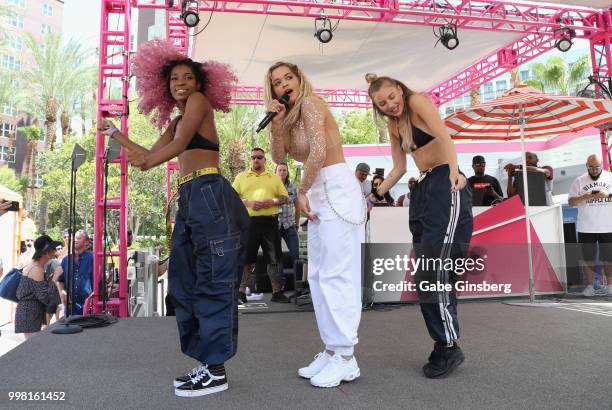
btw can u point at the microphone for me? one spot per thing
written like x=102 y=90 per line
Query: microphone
x=284 y=99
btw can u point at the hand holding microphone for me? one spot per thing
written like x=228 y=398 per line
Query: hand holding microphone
x=276 y=111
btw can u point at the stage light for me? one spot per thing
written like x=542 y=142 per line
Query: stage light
x=564 y=38
x=323 y=29
x=189 y=17
x=170 y=4
x=447 y=35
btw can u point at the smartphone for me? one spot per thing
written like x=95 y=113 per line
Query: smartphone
x=14 y=206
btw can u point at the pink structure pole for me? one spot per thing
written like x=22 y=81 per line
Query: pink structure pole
x=114 y=45
x=601 y=59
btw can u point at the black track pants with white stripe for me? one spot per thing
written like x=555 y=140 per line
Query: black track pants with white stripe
x=441 y=224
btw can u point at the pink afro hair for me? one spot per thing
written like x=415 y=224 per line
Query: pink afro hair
x=151 y=62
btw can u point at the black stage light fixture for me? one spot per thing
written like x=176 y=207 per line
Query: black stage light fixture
x=170 y=4
x=189 y=17
x=323 y=29
x=564 y=38
x=447 y=35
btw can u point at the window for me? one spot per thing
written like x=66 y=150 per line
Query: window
x=7 y=110
x=15 y=42
x=16 y=21
x=7 y=154
x=500 y=87
x=525 y=75
x=38 y=180
x=488 y=92
x=47 y=10
x=19 y=3
x=5 y=130
x=10 y=62
x=46 y=29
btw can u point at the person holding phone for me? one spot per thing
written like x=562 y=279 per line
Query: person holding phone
x=5 y=206
x=591 y=193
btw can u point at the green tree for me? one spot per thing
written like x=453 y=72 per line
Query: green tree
x=556 y=76
x=6 y=12
x=55 y=80
x=236 y=132
x=358 y=127
x=12 y=94
x=9 y=179
x=33 y=134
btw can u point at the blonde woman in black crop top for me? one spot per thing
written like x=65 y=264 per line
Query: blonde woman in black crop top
x=440 y=212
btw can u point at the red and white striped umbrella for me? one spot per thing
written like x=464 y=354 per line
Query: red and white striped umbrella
x=524 y=112
x=544 y=115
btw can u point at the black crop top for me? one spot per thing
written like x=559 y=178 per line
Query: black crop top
x=199 y=142
x=419 y=138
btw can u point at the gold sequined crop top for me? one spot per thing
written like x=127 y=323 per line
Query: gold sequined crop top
x=310 y=138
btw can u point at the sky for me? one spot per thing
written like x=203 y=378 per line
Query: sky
x=82 y=21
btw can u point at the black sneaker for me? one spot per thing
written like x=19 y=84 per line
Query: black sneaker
x=179 y=381
x=242 y=299
x=443 y=360
x=280 y=297
x=203 y=383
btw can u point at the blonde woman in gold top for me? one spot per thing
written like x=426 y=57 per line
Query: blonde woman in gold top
x=330 y=196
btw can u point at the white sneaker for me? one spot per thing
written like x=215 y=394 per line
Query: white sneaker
x=319 y=362
x=588 y=291
x=254 y=297
x=336 y=371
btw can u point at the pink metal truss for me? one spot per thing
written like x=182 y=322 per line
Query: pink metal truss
x=243 y=95
x=113 y=79
x=536 y=21
x=490 y=15
x=601 y=59
x=493 y=65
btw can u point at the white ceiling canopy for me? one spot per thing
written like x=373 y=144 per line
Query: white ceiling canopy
x=252 y=42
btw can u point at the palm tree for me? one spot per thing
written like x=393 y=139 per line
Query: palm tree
x=475 y=97
x=33 y=134
x=516 y=78
x=55 y=79
x=555 y=76
x=235 y=130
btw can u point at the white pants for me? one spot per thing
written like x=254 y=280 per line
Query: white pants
x=334 y=256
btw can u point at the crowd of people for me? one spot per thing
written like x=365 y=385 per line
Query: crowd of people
x=220 y=226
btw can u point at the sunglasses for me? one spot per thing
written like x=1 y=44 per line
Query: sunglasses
x=480 y=164
x=596 y=168
x=257 y=157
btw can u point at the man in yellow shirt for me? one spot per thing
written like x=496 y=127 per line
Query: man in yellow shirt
x=262 y=192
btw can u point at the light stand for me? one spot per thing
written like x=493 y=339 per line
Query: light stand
x=64 y=326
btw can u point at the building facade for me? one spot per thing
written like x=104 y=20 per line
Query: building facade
x=36 y=17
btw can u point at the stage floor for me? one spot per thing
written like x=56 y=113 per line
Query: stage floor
x=516 y=357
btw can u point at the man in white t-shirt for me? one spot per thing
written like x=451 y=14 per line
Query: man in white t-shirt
x=591 y=193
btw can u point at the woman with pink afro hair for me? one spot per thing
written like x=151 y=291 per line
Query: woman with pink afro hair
x=211 y=226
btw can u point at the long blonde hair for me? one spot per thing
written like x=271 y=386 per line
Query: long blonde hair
x=306 y=90
x=404 y=125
